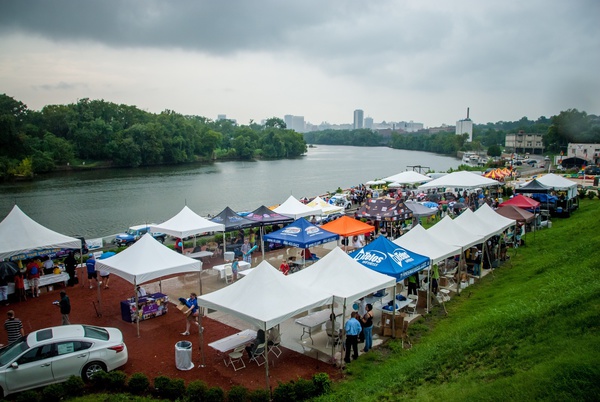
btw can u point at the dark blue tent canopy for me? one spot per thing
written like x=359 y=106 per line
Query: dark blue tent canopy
x=301 y=234
x=388 y=258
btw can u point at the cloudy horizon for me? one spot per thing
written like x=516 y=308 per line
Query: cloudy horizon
x=396 y=60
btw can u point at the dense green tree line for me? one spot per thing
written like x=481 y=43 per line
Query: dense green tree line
x=568 y=126
x=99 y=132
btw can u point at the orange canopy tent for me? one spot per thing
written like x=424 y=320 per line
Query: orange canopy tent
x=346 y=226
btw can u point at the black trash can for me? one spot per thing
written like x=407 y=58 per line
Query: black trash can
x=596 y=180
x=183 y=355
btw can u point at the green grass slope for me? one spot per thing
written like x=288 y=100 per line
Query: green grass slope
x=529 y=332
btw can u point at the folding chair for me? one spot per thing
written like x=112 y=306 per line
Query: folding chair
x=228 y=274
x=258 y=353
x=275 y=349
x=412 y=307
x=236 y=356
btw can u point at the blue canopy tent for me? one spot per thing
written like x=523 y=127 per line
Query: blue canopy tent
x=302 y=234
x=388 y=258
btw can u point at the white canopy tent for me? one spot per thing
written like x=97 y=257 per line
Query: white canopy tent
x=408 y=177
x=449 y=231
x=20 y=234
x=461 y=179
x=343 y=277
x=147 y=260
x=326 y=208
x=187 y=223
x=249 y=299
x=422 y=242
x=487 y=214
x=559 y=183
x=295 y=209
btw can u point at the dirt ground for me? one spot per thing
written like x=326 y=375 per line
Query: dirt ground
x=153 y=352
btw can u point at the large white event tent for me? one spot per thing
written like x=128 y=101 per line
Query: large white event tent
x=265 y=298
x=408 y=177
x=343 y=277
x=449 y=231
x=460 y=179
x=559 y=183
x=295 y=209
x=20 y=234
x=147 y=260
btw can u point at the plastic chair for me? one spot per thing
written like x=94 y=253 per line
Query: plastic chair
x=228 y=274
x=237 y=357
x=412 y=307
x=259 y=352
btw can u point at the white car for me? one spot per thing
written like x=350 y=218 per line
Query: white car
x=54 y=354
x=341 y=200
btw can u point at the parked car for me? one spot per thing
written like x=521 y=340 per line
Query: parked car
x=340 y=200
x=54 y=253
x=54 y=354
x=135 y=233
x=592 y=170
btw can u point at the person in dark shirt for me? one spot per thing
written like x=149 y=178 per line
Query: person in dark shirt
x=65 y=307
x=14 y=327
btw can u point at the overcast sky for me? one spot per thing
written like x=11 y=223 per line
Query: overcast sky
x=425 y=61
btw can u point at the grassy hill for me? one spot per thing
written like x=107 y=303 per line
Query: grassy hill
x=529 y=332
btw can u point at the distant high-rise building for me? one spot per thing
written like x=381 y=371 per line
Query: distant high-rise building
x=358 y=119
x=369 y=122
x=295 y=123
x=465 y=126
x=221 y=117
x=287 y=119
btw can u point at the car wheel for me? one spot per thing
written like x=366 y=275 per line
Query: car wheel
x=128 y=244
x=92 y=368
x=161 y=239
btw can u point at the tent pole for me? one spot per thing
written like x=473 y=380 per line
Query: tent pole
x=333 y=329
x=266 y=358
x=137 y=313
x=98 y=285
x=344 y=332
x=200 y=328
x=429 y=284
x=262 y=241
x=394 y=311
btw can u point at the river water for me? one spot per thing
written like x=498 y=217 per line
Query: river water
x=99 y=203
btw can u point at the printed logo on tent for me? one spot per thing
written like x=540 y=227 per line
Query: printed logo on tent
x=400 y=255
x=372 y=258
x=235 y=218
x=313 y=230
x=291 y=230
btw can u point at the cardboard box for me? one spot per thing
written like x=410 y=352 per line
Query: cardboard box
x=183 y=308
x=388 y=332
x=386 y=320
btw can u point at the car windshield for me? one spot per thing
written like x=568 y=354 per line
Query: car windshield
x=131 y=232
x=95 y=333
x=13 y=350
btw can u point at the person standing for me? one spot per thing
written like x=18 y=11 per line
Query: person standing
x=367 y=327
x=70 y=266
x=13 y=327
x=245 y=249
x=105 y=276
x=362 y=310
x=65 y=307
x=33 y=276
x=20 y=286
x=192 y=312
x=178 y=245
x=284 y=267
x=235 y=268
x=413 y=284
x=352 y=329
x=435 y=277
x=90 y=265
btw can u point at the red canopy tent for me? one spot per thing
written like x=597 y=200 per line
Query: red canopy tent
x=522 y=201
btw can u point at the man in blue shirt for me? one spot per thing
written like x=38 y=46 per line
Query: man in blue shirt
x=352 y=329
x=90 y=265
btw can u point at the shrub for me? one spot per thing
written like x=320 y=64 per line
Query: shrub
x=169 y=388
x=28 y=396
x=74 y=386
x=259 y=395
x=591 y=194
x=53 y=392
x=304 y=389
x=284 y=392
x=100 y=381
x=237 y=393
x=138 y=384
x=214 y=394
x=196 y=390
x=322 y=383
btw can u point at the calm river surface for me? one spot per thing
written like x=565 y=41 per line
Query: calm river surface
x=103 y=202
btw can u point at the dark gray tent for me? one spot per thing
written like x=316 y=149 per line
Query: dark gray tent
x=232 y=220
x=533 y=187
